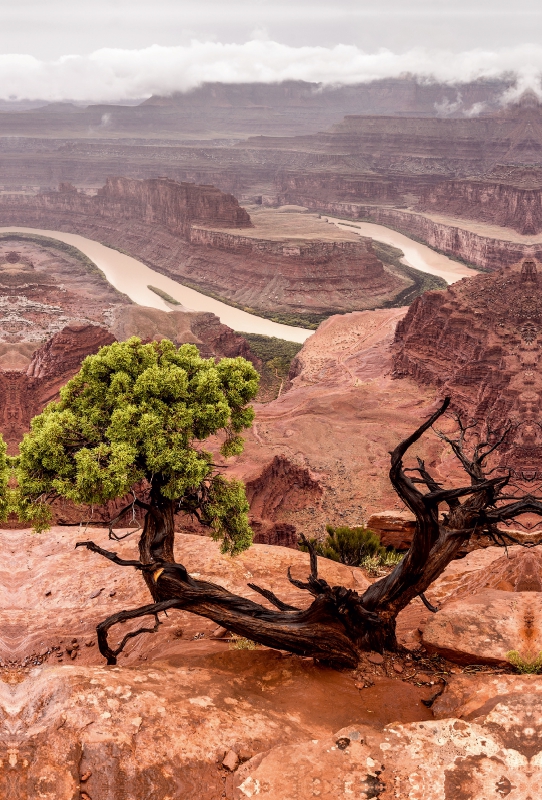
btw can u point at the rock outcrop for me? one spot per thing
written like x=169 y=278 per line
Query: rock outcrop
x=337 y=423
x=175 y=206
x=157 y=222
x=394 y=528
x=485 y=627
x=23 y=394
x=480 y=342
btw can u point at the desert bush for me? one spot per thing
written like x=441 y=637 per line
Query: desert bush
x=355 y=547
x=526 y=667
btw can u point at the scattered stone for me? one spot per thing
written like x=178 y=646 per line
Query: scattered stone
x=231 y=761
x=375 y=658
x=96 y=593
x=48 y=594
x=343 y=742
x=398 y=668
x=85 y=776
x=219 y=632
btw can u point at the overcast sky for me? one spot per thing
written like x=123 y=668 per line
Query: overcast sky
x=485 y=32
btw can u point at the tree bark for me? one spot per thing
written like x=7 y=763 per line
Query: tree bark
x=157 y=540
x=338 y=624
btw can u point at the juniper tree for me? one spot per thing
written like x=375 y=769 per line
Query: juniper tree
x=138 y=413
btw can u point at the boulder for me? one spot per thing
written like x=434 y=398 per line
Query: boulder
x=395 y=528
x=483 y=628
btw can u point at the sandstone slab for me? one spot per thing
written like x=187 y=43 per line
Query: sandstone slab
x=43 y=577
x=176 y=729
x=483 y=628
x=493 y=752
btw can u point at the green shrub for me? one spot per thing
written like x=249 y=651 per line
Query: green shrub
x=524 y=665
x=241 y=643
x=355 y=547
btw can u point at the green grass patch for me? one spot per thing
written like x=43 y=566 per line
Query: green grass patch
x=164 y=295
x=276 y=354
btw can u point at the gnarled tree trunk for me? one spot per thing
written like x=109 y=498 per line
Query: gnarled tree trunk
x=339 y=623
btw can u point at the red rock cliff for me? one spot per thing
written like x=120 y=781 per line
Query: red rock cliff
x=156 y=201
x=480 y=342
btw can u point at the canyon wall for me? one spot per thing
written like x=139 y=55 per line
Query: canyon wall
x=482 y=251
x=155 y=201
x=273 y=276
x=497 y=203
x=480 y=342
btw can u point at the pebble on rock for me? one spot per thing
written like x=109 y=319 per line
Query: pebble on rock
x=231 y=761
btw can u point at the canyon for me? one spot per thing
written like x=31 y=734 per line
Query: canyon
x=192 y=710
x=187 y=233
x=467 y=185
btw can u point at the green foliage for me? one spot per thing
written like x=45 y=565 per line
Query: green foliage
x=164 y=295
x=137 y=411
x=525 y=665
x=241 y=643
x=351 y=546
x=276 y=354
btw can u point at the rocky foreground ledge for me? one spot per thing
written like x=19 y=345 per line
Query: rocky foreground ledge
x=185 y=715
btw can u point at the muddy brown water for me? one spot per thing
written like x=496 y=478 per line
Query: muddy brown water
x=132 y=277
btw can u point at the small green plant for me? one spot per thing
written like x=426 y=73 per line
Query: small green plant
x=372 y=565
x=527 y=665
x=241 y=643
x=355 y=547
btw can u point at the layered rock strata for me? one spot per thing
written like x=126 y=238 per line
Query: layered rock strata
x=141 y=218
x=156 y=201
x=480 y=342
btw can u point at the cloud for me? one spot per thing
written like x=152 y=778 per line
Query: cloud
x=108 y=74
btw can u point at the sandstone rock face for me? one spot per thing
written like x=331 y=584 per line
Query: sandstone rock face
x=156 y=201
x=25 y=394
x=483 y=628
x=479 y=342
x=509 y=206
x=395 y=528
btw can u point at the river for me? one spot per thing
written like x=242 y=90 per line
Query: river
x=417 y=255
x=132 y=277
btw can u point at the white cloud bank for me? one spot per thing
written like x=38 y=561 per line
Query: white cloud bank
x=108 y=75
